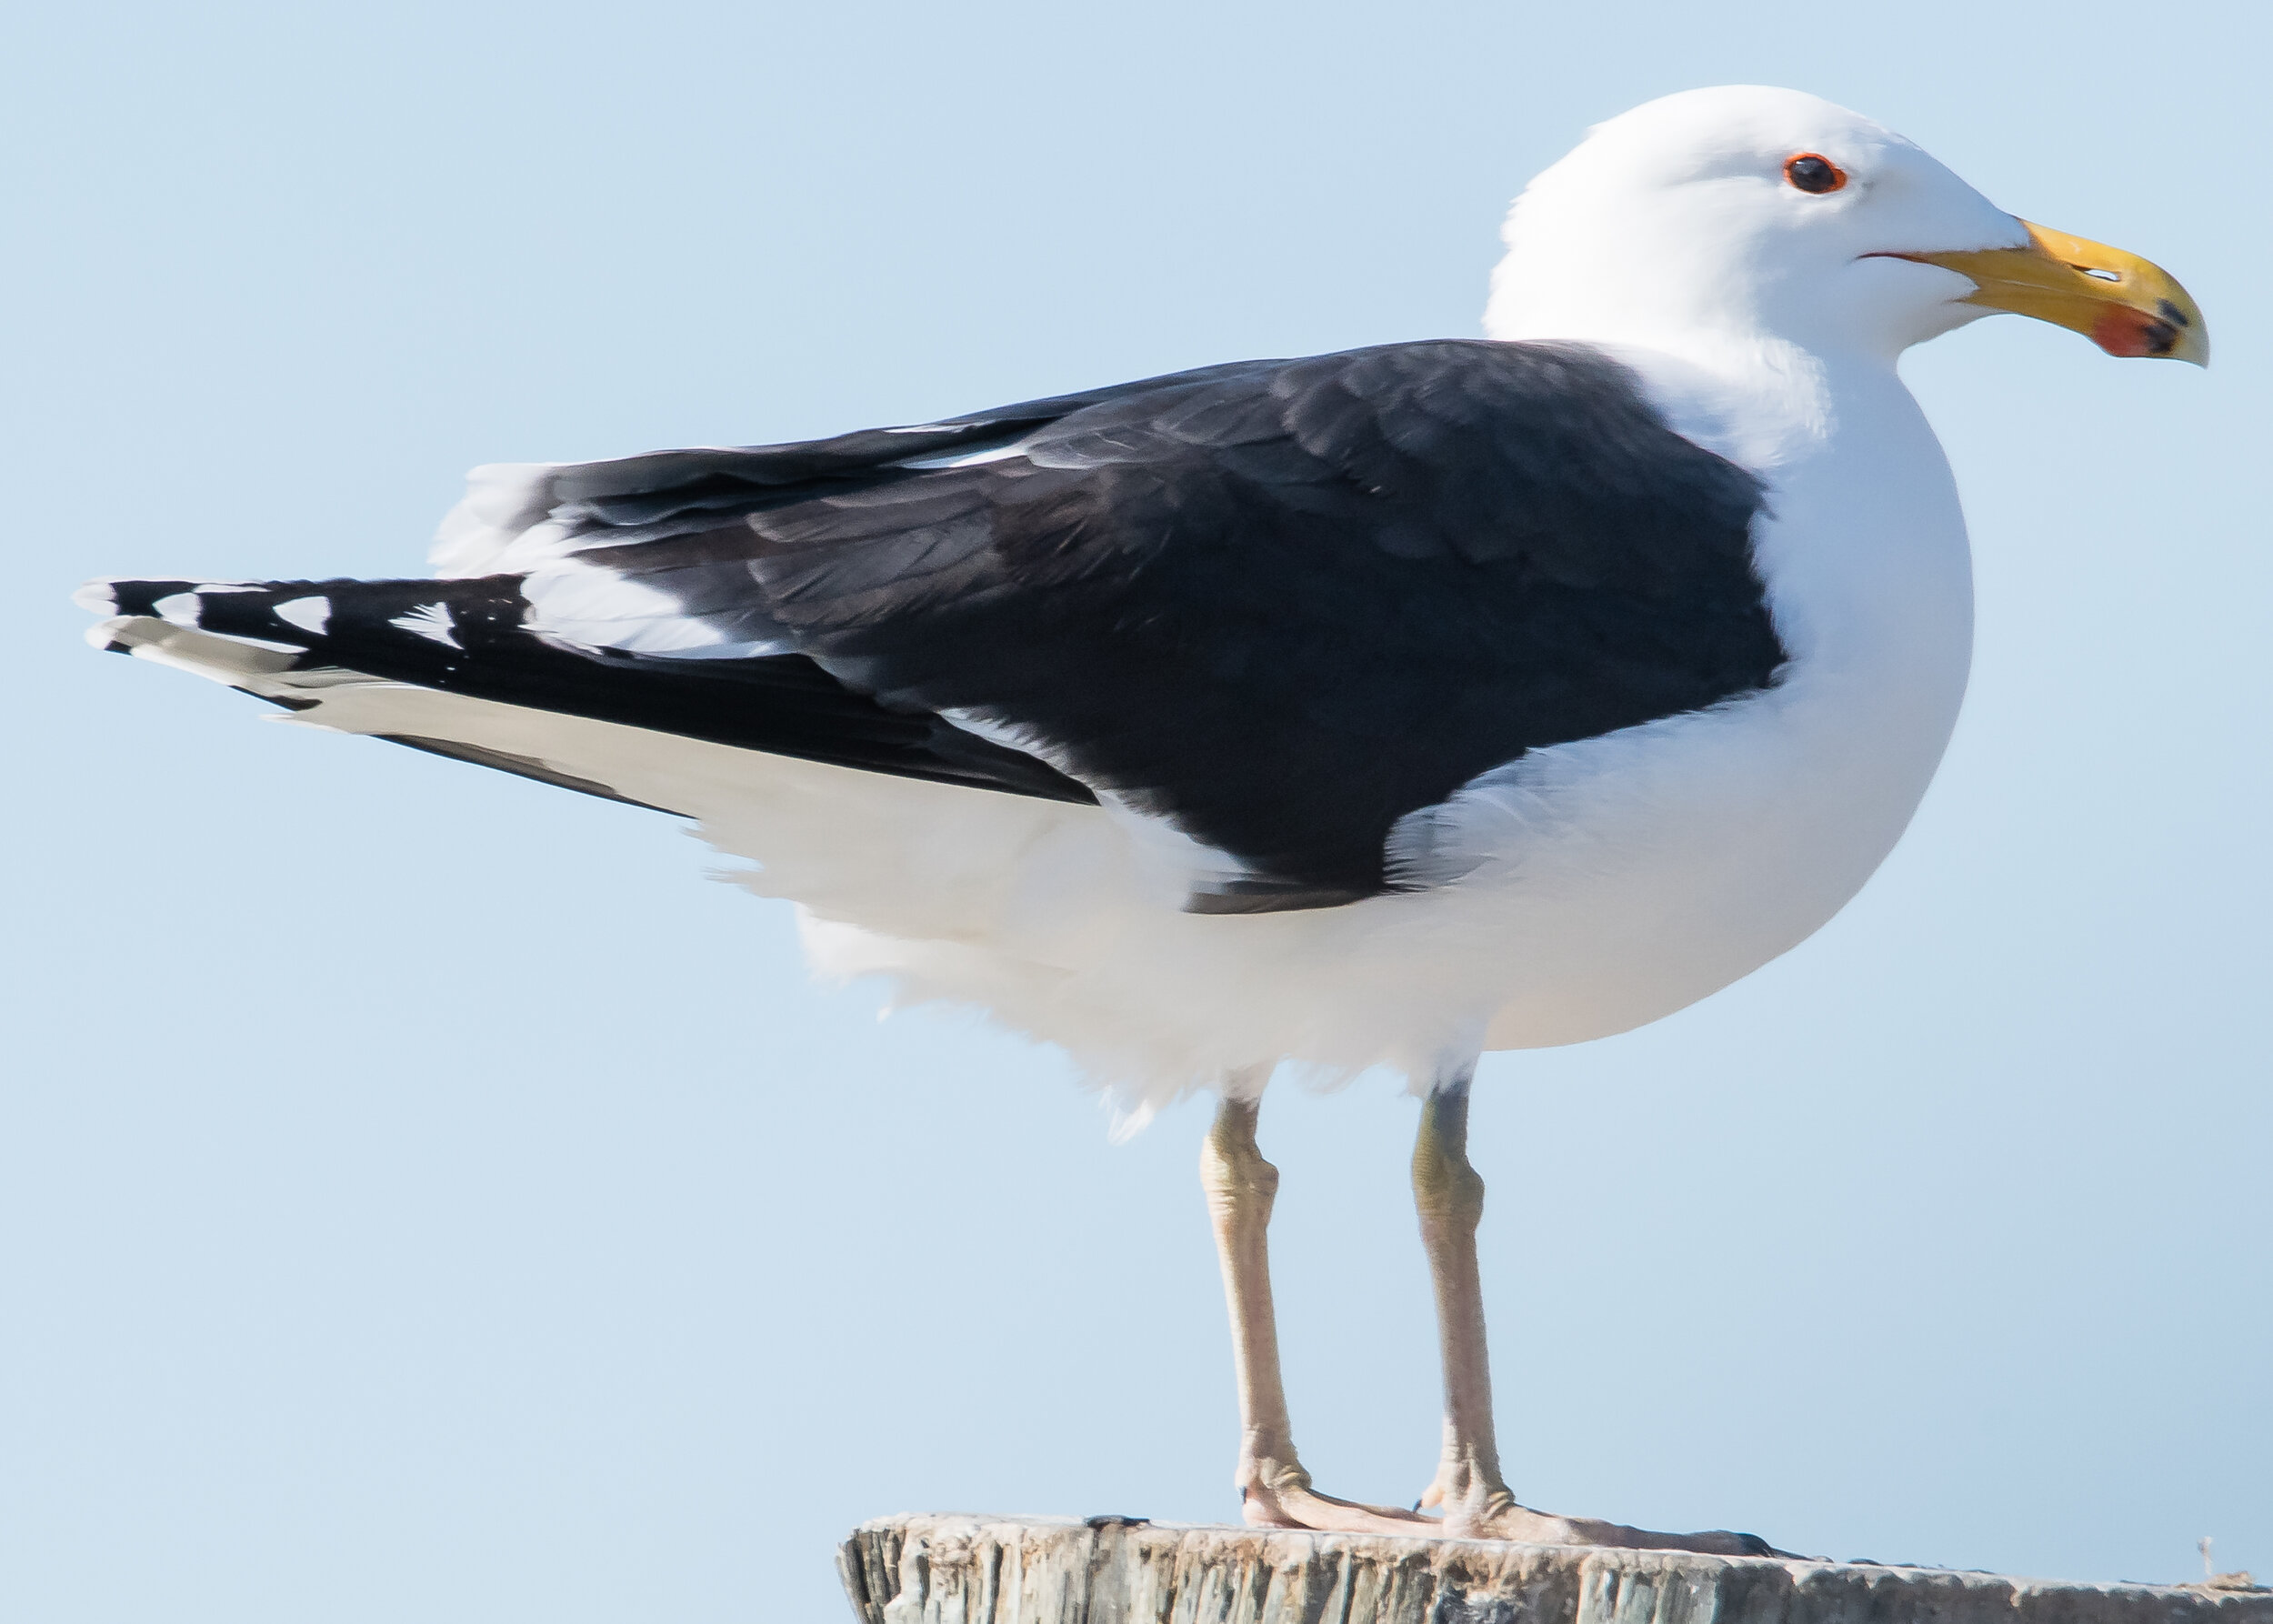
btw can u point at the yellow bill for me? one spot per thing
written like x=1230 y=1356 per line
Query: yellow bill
x=2125 y=304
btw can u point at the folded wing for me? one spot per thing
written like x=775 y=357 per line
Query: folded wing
x=1280 y=604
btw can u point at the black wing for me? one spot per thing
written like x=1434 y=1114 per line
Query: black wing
x=1283 y=604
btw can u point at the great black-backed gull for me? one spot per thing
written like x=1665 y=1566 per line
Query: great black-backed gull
x=1371 y=709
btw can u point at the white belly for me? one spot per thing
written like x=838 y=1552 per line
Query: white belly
x=1678 y=858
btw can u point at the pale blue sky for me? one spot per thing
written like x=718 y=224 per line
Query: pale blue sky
x=424 y=1197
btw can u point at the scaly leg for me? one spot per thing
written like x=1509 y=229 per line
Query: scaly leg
x=1475 y=1499
x=1274 y=1489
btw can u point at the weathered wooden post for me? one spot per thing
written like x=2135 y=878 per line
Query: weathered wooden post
x=949 y=1568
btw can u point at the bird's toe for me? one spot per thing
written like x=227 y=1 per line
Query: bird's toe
x=1289 y=1502
x=1521 y=1524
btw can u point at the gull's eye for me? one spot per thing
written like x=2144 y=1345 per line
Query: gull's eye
x=1812 y=172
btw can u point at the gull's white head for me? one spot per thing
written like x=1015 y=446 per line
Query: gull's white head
x=1745 y=215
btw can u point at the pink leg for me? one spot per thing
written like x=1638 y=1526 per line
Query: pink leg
x=1474 y=1496
x=1274 y=1489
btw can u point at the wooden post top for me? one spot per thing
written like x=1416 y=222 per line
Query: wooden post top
x=947 y=1568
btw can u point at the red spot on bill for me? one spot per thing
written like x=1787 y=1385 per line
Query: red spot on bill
x=2133 y=332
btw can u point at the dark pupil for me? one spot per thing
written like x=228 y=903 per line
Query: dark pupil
x=1813 y=174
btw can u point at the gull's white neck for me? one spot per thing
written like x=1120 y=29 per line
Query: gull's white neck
x=1863 y=545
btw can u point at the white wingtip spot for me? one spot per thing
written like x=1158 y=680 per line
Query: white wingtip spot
x=430 y=621
x=99 y=596
x=179 y=609
x=309 y=613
